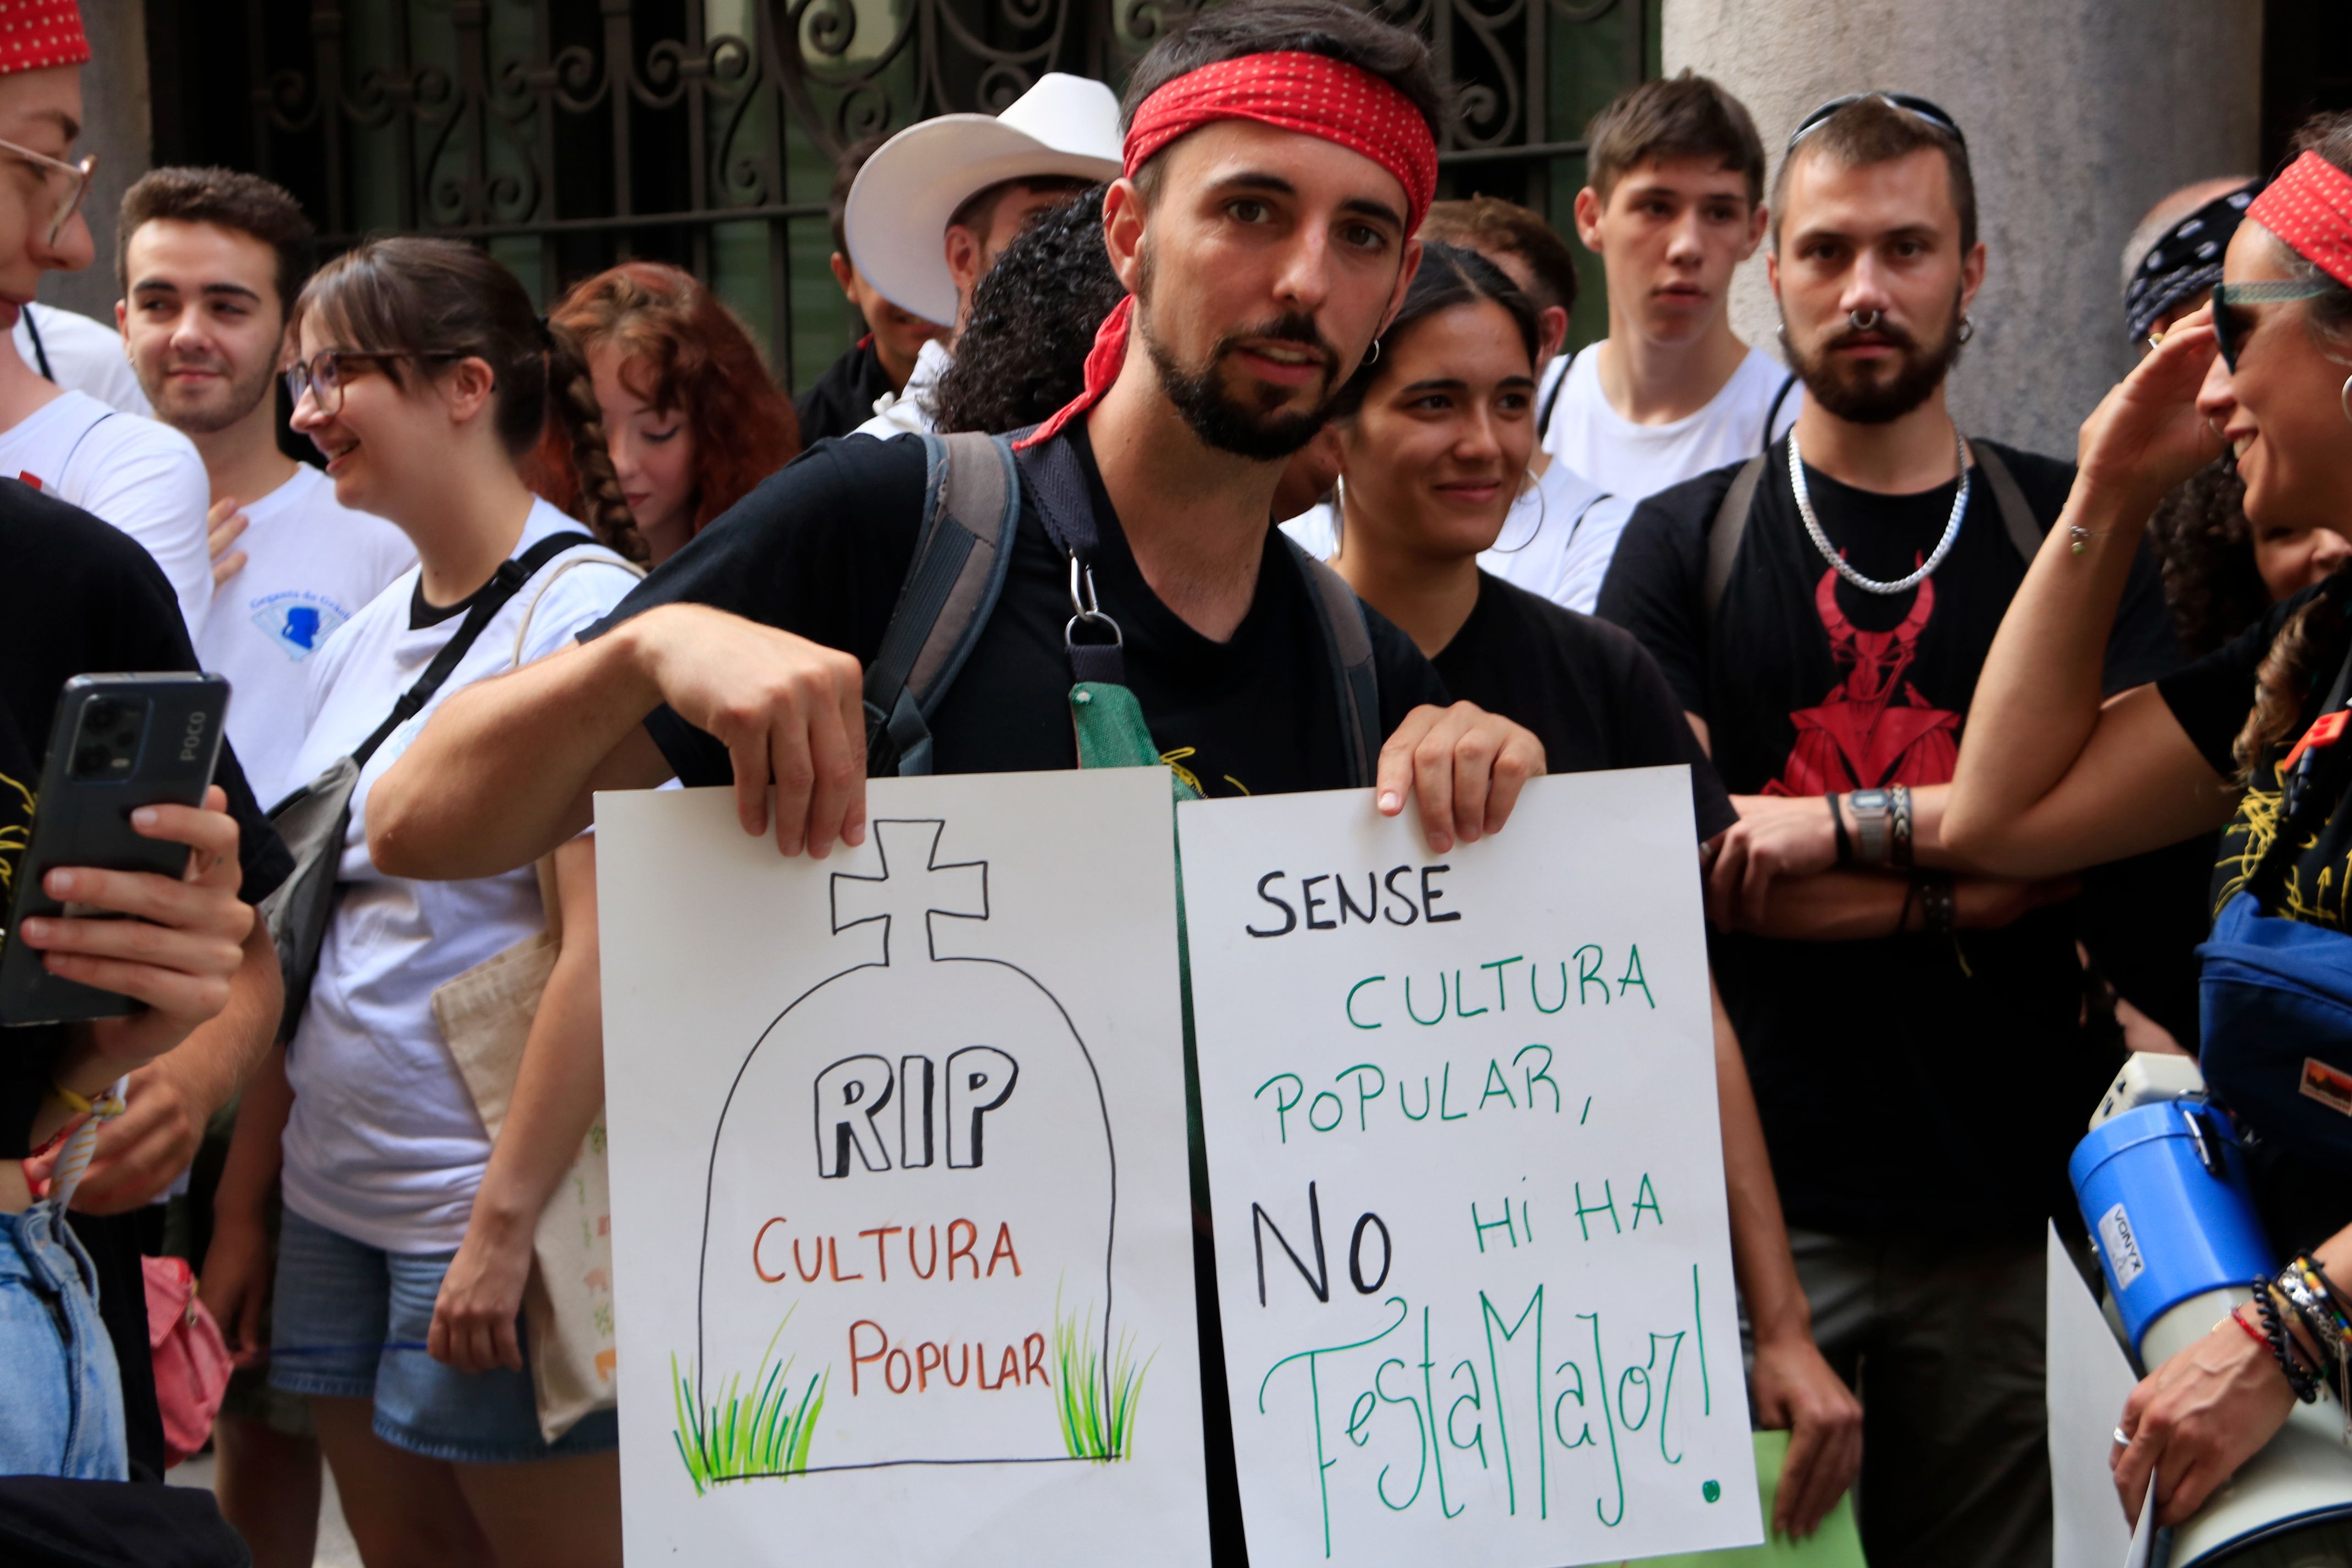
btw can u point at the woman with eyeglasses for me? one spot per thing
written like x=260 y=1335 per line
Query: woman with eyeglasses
x=425 y=374
x=1434 y=435
x=2248 y=739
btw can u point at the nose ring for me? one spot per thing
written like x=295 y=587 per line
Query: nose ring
x=1864 y=321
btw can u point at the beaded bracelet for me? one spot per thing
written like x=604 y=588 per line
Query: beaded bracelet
x=2283 y=1349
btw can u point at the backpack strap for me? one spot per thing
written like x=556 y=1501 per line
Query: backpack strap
x=504 y=584
x=1730 y=526
x=1348 y=640
x=1772 y=415
x=1551 y=397
x=2025 y=530
x=971 y=500
x=1067 y=511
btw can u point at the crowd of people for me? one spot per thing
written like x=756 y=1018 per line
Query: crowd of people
x=1981 y=741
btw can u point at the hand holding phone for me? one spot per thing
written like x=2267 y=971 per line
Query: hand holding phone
x=180 y=948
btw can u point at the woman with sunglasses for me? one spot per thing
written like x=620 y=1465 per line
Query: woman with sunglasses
x=1432 y=436
x=2247 y=740
x=424 y=375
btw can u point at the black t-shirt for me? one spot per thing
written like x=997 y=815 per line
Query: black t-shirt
x=1903 y=1080
x=821 y=549
x=78 y=597
x=843 y=398
x=1591 y=694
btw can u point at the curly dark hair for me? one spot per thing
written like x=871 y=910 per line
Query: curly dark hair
x=2200 y=536
x=1023 y=354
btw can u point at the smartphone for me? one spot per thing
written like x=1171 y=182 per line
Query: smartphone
x=117 y=743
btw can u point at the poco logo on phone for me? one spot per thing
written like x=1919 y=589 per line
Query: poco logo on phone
x=193 y=739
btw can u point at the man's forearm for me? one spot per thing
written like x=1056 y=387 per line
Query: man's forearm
x=217 y=1057
x=255 y=1150
x=1759 y=1238
x=1836 y=906
x=505 y=771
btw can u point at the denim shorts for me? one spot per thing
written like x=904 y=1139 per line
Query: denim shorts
x=59 y=1384
x=349 y=1321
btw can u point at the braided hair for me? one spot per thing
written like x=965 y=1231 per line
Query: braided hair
x=444 y=301
x=2283 y=683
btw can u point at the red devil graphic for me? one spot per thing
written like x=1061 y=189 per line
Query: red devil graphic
x=1874 y=728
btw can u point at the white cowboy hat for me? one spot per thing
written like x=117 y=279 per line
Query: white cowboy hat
x=898 y=209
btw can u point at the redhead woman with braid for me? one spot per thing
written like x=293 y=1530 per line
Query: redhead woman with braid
x=692 y=420
x=2247 y=740
x=424 y=374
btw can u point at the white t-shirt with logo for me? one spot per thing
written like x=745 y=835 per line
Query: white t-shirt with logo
x=383 y=1144
x=1636 y=461
x=311 y=564
x=84 y=355
x=143 y=478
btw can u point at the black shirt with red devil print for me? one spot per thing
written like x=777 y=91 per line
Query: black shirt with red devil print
x=1912 y=1087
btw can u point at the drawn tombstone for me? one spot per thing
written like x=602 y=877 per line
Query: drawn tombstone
x=913 y=1174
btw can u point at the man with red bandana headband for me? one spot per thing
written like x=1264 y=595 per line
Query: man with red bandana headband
x=1278 y=158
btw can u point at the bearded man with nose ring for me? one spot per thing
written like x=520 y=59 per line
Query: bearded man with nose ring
x=1823 y=612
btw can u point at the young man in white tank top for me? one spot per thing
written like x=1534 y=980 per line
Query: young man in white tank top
x=1676 y=205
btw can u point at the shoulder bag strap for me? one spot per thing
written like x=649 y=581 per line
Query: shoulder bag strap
x=1772 y=415
x=971 y=504
x=2024 y=529
x=1551 y=398
x=1066 y=510
x=1730 y=527
x=504 y=584
x=1348 y=640
x=40 y=351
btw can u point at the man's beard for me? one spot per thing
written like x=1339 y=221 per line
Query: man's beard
x=1860 y=391
x=1260 y=430
x=211 y=418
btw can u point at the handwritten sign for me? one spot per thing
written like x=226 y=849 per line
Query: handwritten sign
x=1472 y=1248
x=901 y=1220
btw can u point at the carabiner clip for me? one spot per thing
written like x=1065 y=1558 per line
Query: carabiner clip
x=1087 y=608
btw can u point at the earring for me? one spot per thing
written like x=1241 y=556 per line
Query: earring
x=1967 y=329
x=1338 y=509
x=1371 y=355
x=2344 y=398
x=1543 y=515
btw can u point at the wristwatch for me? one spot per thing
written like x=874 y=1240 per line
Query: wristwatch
x=1874 y=810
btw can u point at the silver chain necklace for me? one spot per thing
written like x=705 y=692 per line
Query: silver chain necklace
x=1822 y=540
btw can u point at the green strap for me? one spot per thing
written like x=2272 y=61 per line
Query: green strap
x=1112 y=734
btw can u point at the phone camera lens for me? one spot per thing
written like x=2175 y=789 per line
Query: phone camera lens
x=91 y=761
x=102 y=715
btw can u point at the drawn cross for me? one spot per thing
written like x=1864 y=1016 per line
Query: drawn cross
x=919 y=888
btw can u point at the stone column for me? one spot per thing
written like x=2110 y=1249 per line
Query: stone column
x=2079 y=115
x=116 y=127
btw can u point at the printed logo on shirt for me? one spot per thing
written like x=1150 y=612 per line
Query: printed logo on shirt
x=1874 y=728
x=298 y=622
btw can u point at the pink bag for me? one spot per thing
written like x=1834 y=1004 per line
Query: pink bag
x=192 y=1362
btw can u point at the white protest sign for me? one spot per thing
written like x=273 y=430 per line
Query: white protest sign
x=1471 y=1250
x=901 y=1218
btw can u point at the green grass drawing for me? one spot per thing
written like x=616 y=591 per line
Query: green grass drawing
x=1096 y=1404
x=737 y=1437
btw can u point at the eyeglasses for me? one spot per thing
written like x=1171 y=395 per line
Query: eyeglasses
x=2231 y=326
x=1909 y=103
x=321 y=375
x=77 y=173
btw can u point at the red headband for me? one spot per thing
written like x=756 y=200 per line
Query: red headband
x=1313 y=95
x=37 y=34
x=2310 y=207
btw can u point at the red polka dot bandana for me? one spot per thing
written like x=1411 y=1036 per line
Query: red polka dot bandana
x=1310 y=94
x=37 y=34
x=2310 y=207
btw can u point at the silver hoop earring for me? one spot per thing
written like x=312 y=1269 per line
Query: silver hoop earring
x=2344 y=398
x=1864 y=321
x=1543 y=515
x=1371 y=355
x=1968 y=329
x=1338 y=509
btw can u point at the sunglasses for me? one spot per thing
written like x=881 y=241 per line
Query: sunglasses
x=2232 y=324
x=78 y=183
x=1909 y=103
